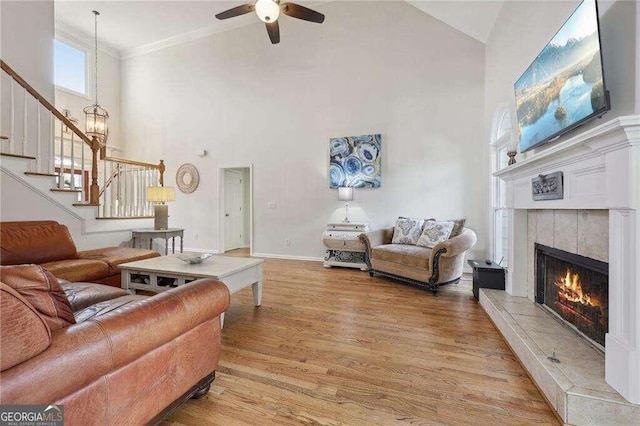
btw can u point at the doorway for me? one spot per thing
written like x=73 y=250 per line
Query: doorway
x=235 y=215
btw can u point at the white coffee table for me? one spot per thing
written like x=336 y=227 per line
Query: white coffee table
x=235 y=272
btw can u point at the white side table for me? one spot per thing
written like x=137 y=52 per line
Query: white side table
x=344 y=248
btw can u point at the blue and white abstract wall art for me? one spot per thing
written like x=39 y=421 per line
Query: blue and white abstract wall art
x=354 y=161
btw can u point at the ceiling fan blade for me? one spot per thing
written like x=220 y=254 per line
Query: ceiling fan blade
x=236 y=11
x=274 y=31
x=301 y=12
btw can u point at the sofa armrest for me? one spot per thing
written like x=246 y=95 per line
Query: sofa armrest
x=83 y=353
x=375 y=238
x=447 y=260
x=457 y=245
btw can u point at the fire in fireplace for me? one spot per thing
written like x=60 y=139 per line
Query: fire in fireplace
x=575 y=288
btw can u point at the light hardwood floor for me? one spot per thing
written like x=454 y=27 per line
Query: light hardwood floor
x=334 y=346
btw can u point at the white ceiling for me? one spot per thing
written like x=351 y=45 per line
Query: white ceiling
x=474 y=18
x=126 y=26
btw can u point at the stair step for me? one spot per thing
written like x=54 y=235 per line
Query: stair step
x=86 y=204
x=26 y=157
x=65 y=190
x=40 y=174
x=124 y=217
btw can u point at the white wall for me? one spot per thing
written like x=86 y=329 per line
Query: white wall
x=26 y=33
x=374 y=67
x=108 y=84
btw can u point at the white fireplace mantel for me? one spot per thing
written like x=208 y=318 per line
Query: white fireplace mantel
x=601 y=168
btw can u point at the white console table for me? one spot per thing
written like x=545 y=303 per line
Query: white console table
x=344 y=248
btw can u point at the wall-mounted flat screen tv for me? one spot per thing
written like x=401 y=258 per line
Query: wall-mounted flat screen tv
x=564 y=87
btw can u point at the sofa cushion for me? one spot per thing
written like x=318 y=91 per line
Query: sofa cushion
x=407 y=230
x=35 y=244
x=41 y=289
x=23 y=332
x=101 y=308
x=76 y=270
x=81 y=295
x=114 y=256
x=435 y=232
x=413 y=256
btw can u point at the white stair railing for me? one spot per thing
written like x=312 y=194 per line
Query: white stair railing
x=32 y=128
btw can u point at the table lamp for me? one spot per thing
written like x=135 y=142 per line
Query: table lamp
x=161 y=195
x=345 y=194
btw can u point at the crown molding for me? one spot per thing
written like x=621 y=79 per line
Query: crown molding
x=199 y=33
x=84 y=39
x=180 y=39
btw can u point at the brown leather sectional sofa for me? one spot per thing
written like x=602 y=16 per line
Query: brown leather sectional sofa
x=49 y=244
x=108 y=357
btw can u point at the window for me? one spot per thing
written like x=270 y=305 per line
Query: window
x=501 y=140
x=70 y=67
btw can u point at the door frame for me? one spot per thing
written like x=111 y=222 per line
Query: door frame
x=221 y=204
x=234 y=174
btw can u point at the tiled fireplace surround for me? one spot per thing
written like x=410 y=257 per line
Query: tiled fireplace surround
x=598 y=217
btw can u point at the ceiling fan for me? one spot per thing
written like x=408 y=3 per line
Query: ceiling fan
x=268 y=12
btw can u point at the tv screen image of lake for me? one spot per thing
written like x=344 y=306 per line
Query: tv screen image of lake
x=564 y=84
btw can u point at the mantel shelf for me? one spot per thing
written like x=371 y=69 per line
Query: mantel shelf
x=615 y=134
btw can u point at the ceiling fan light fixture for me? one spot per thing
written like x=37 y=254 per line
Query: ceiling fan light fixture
x=267 y=10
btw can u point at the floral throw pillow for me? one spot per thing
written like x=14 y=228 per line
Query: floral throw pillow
x=407 y=230
x=435 y=232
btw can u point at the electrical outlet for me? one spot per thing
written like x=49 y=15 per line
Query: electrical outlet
x=195 y=236
x=271 y=205
x=287 y=242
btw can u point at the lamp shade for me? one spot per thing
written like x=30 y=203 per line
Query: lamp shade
x=345 y=194
x=160 y=194
x=267 y=10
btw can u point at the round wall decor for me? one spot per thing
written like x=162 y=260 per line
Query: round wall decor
x=187 y=178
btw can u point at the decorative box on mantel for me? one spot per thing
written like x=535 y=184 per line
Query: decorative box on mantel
x=601 y=168
x=344 y=248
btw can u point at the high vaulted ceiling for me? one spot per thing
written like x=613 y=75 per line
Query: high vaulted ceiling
x=126 y=26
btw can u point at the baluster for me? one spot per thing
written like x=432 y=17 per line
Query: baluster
x=61 y=172
x=118 y=184
x=135 y=185
x=105 y=188
x=73 y=163
x=145 y=183
x=12 y=126
x=140 y=192
x=51 y=163
x=114 y=188
x=24 y=136
x=144 y=192
x=129 y=191
x=123 y=191
x=118 y=200
x=39 y=140
x=82 y=167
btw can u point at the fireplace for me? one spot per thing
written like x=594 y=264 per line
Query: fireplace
x=575 y=289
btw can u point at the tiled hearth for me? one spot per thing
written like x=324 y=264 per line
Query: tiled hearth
x=599 y=218
x=575 y=386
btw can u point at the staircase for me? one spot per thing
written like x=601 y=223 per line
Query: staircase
x=43 y=150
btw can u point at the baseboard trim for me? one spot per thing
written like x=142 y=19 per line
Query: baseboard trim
x=288 y=257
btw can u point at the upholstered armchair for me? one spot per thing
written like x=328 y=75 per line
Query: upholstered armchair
x=424 y=267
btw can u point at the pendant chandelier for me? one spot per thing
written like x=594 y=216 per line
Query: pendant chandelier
x=96 y=117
